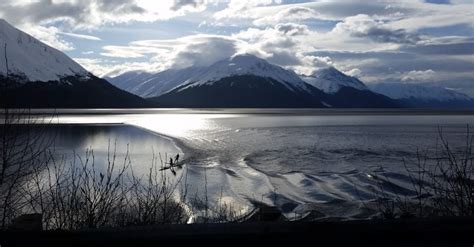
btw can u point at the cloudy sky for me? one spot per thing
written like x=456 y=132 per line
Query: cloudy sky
x=379 y=41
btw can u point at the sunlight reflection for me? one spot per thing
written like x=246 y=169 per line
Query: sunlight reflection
x=176 y=125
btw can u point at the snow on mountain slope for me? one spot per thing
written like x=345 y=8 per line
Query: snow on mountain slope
x=31 y=59
x=128 y=80
x=246 y=65
x=239 y=65
x=150 y=85
x=330 y=80
x=419 y=92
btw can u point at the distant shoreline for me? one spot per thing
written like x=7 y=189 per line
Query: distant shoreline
x=270 y=111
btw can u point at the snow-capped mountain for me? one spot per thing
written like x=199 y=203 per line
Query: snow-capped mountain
x=406 y=91
x=331 y=80
x=247 y=81
x=239 y=81
x=347 y=91
x=32 y=60
x=416 y=95
x=146 y=85
x=149 y=85
x=33 y=74
x=128 y=80
x=245 y=65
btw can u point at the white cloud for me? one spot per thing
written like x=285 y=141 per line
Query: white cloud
x=48 y=35
x=103 y=67
x=402 y=14
x=81 y=36
x=309 y=64
x=132 y=51
x=193 y=4
x=203 y=50
x=418 y=75
x=286 y=45
x=334 y=10
x=91 y=14
x=290 y=14
x=436 y=15
x=364 y=26
x=236 y=8
x=383 y=37
x=193 y=50
x=280 y=45
x=92 y=65
x=292 y=29
x=39 y=17
x=354 y=72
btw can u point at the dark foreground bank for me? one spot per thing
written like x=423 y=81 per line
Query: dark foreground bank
x=413 y=232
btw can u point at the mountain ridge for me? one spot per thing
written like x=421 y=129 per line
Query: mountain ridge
x=35 y=75
x=32 y=60
x=424 y=96
x=245 y=64
x=172 y=88
x=330 y=80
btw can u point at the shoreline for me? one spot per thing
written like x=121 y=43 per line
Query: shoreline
x=269 y=111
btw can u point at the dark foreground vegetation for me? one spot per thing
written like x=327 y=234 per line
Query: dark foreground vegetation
x=419 y=232
x=75 y=193
x=442 y=181
x=46 y=199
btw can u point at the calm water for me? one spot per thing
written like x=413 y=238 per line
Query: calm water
x=298 y=160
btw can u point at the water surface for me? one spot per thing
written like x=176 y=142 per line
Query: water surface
x=297 y=160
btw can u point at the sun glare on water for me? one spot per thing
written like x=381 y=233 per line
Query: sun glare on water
x=175 y=125
x=178 y=125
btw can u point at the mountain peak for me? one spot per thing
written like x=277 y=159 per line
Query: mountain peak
x=235 y=66
x=246 y=58
x=330 y=80
x=3 y=22
x=246 y=64
x=32 y=60
x=328 y=71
